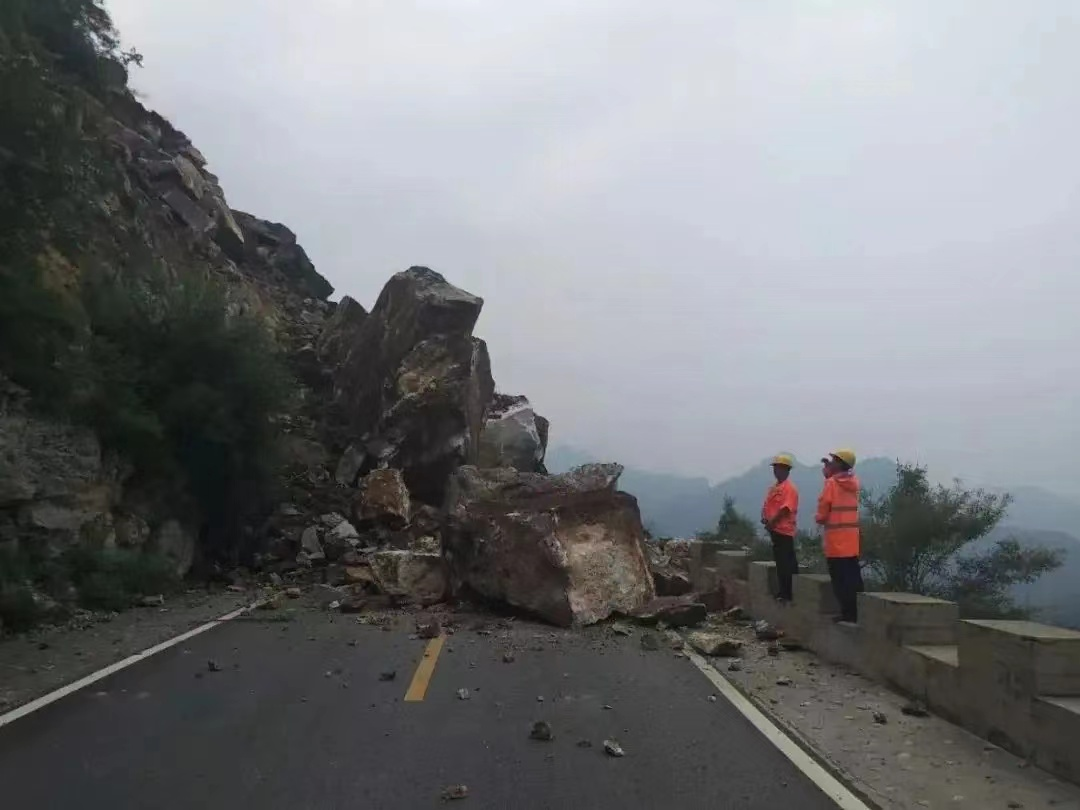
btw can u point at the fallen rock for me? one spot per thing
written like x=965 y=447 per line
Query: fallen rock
x=735 y=665
x=541 y=731
x=415 y=575
x=310 y=544
x=213 y=666
x=914 y=709
x=714 y=644
x=613 y=749
x=293 y=592
x=669 y=580
x=735 y=614
x=621 y=629
x=508 y=658
x=673 y=611
x=452 y=793
x=383 y=499
x=428 y=626
x=674 y=640
x=568 y=548
x=463 y=694
x=513 y=435
x=152 y=601
x=389 y=675
x=765 y=631
x=649 y=642
x=783 y=681
x=880 y=718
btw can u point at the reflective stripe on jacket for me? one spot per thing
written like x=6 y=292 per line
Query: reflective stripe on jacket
x=838 y=513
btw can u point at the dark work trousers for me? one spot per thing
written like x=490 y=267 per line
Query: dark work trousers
x=783 y=552
x=846 y=576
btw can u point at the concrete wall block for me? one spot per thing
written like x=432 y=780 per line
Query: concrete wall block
x=1023 y=659
x=1056 y=726
x=733 y=564
x=814 y=593
x=907 y=618
x=763 y=589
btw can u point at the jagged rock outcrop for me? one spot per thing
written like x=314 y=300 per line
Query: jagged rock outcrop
x=414 y=386
x=514 y=435
x=568 y=548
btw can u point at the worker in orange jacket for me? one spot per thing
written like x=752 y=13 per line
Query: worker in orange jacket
x=838 y=515
x=778 y=516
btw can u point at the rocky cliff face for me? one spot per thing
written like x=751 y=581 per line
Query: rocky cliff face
x=402 y=472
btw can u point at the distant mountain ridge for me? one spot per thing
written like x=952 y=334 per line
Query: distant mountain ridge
x=680 y=506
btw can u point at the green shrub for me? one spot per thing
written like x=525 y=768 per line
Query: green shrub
x=111 y=579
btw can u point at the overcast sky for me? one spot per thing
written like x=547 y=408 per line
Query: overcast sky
x=705 y=231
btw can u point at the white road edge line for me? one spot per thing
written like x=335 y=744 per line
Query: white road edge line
x=75 y=686
x=826 y=782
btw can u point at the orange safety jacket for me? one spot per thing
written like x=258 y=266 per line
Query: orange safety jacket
x=780 y=495
x=838 y=513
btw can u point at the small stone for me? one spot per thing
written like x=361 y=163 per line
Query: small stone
x=735 y=613
x=293 y=592
x=613 y=749
x=621 y=629
x=463 y=694
x=914 y=709
x=235 y=588
x=608 y=708
x=712 y=698
x=735 y=665
x=508 y=658
x=156 y=600
x=541 y=731
x=539 y=698
x=649 y=642
x=674 y=640
x=43 y=645
x=389 y=675
x=584 y=743
x=773 y=650
x=213 y=666
x=765 y=631
x=783 y=681
x=880 y=718
x=452 y=793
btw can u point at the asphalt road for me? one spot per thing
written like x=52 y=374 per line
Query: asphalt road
x=297 y=717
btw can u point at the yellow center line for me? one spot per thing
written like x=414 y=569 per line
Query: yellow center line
x=424 y=670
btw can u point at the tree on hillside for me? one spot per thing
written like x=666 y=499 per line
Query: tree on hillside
x=924 y=538
x=734 y=527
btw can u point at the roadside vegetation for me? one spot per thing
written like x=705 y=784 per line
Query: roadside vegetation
x=150 y=356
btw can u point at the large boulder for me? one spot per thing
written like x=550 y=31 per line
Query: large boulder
x=568 y=548
x=383 y=500
x=415 y=575
x=514 y=435
x=413 y=385
x=341 y=330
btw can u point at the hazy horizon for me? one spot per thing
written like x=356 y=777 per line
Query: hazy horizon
x=703 y=233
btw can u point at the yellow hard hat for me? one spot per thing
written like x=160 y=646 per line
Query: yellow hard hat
x=845 y=455
x=784 y=459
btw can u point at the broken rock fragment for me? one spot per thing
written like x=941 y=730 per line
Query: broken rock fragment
x=672 y=611
x=455 y=792
x=613 y=749
x=541 y=731
x=383 y=500
x=414 y=575
x=714 y=644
